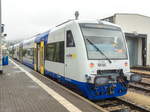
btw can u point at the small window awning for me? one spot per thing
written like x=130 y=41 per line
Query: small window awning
x=42 y=37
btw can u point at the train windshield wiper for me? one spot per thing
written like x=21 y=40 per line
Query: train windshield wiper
x=98 y=50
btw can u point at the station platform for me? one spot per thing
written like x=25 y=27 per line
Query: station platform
x=24 y=90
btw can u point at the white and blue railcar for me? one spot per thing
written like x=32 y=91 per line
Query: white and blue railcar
x=27 y=52
x=16 y=51
x=90 y=56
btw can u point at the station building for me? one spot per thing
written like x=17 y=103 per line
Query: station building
x=137 y=32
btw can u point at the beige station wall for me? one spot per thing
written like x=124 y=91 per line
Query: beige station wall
x=135 y=23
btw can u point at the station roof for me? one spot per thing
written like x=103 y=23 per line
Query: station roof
x=133 y=14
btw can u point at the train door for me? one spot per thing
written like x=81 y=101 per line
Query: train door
x=35 y=56
x=39 y=57
x=42 y=57
x=21 y=53
x=70 y=55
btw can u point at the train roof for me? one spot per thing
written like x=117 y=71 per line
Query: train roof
x=42 y=37
x=16 y=45
x=94 y=21
x=28 y=40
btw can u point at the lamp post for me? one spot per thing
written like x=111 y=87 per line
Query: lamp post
x=1 y=69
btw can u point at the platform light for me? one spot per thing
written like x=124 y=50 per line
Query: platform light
x=101 y=80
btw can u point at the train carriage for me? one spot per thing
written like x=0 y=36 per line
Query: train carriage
x=27 y=52
x=76 y=68
x=90 y=56
x=16 y=51
x=40 y=43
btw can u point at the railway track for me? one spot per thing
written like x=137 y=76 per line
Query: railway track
x=143 y=73
x=142 y=68
x=116 y=104
x=141 y=86
x=120 y=105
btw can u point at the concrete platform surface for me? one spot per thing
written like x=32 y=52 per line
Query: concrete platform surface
x=24 y=90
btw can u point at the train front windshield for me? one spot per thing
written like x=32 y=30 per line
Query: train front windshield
x=104 y=41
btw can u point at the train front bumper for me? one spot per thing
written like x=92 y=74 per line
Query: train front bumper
x=106 y=91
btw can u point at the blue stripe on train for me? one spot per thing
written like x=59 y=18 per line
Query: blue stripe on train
x=28 y=64
x=89 y=90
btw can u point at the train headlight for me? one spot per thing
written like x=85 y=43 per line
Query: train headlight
x=135 y=78
x=101 y=80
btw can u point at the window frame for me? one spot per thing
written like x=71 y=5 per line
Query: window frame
x=58 y=50
x=67 y=44
x=80 y=26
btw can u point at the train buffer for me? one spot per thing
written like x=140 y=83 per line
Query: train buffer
x=24 y=90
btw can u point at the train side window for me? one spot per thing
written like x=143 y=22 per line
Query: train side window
x=59 y=52
x=55 y=52
x=70 y=40
x=50 y=51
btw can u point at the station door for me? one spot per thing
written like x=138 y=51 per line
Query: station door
x=132 y=44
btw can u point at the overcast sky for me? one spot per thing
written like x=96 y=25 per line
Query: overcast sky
x=24 y=18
